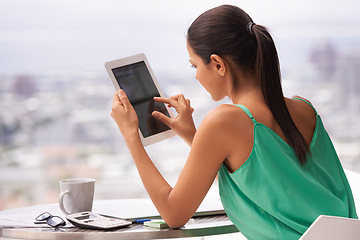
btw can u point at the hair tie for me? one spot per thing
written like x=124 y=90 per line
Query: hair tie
x=249 y=28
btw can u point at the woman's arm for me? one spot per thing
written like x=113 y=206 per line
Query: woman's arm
x=175 y=205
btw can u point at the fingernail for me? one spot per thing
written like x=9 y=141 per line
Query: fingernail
x=121 y=92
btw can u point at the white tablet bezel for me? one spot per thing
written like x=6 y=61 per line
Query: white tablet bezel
x=131 y=60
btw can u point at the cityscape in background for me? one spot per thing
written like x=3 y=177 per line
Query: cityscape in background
x=57 y=126
x=55 y=94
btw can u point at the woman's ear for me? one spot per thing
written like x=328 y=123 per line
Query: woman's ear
x=219 y=64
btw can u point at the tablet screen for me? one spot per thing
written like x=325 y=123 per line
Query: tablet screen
x=136 y=81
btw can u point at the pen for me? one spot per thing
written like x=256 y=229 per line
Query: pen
x=142 y=220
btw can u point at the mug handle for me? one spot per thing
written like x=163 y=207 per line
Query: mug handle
x=61 y=201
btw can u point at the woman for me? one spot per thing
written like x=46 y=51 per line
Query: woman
x=277 y=168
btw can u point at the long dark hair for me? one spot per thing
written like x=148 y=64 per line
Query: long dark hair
x=225 y=31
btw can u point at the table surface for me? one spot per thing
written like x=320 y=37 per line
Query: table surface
x=18 y=223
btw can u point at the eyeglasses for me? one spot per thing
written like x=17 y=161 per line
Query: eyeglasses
x=53 y=221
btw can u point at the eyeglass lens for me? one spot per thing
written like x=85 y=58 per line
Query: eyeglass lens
x=43 y=216
x=56 y=221
x=53 y=221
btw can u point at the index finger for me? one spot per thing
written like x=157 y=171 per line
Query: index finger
x=178 y=96
x=170 y=101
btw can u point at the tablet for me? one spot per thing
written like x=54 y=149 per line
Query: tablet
x=134 y=75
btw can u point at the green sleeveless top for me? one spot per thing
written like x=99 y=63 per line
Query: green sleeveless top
x=273 y=196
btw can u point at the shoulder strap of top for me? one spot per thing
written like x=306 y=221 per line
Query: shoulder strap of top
x=247 y=111
x=301 y=99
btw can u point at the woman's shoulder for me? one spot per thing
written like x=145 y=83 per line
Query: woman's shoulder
x=297 y=98
x=303 y=115
x=231 y=127
x=226 y=113
x=227 y=118
x=300 y=105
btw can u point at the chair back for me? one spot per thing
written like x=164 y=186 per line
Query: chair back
x=333 y=228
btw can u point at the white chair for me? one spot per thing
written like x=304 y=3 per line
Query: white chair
x=333 y=228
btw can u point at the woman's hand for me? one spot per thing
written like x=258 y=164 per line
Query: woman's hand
x=124 y=115
x=183 y=123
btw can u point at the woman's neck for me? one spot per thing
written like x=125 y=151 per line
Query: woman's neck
x=247 y=93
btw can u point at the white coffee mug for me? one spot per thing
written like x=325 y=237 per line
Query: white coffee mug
x=76 y=195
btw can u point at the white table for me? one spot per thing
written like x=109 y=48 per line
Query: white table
x=20 y=225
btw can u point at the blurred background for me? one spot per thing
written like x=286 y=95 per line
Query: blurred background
x=55 y=95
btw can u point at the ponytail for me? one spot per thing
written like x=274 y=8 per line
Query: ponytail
x=268 y=71
x=228 y=31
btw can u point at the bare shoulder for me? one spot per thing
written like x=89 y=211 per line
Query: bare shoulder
x=223 y=130
x=228 y=123
x=303 y=115
x=225 y=122
x=226 y=115
x=298 y=98
x=301 y=105
x=229 y=130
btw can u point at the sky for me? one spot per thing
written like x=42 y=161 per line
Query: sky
x=42 y=36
